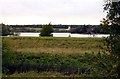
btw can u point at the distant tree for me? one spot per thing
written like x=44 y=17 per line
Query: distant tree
x=46 y=30
x=89 y=29
x=6 y=30
x=80 y=29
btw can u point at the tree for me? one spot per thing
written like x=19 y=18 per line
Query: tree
x=105 y=29
x=113 y=23
x=6 y=30
x=46 y=30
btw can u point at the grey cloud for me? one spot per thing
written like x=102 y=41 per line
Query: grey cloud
x=52 y=8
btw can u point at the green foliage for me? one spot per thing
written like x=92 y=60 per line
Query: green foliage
x=85 y=65
x=6 y=30
x=105 y=29
x=46 y=30
x=112 y=25
x=33 y=74
x=7 y=54
x=113 y=18
x=113 y=11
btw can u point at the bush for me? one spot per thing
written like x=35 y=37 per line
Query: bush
x=46 y=30
x=5 y=30
x=87 y=64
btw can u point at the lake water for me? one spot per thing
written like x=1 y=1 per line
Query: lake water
x=28 y=34
x=64 y=35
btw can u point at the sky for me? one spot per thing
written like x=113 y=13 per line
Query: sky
x=55 y=11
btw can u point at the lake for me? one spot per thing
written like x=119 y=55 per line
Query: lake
x=31 y=34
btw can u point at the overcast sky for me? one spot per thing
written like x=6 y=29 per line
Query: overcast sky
x=54 y=11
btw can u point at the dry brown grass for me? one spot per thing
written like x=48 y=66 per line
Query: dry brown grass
x=55 y=50
x=53 y=45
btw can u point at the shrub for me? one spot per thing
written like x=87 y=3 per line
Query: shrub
x=46 y=30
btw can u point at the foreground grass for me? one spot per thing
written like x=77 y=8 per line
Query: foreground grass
x=48 y=56
x=44 y=74
x=47 y=65
x=36 y=74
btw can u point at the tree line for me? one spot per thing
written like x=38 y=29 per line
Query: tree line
x=84 y=29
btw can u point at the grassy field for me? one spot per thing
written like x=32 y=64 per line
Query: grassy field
x=49 y=56
x=54 y=45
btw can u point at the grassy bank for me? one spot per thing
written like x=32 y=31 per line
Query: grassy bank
x=63 y=56
x=54 y=45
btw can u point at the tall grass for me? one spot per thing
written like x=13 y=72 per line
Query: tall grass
x=54 y=45
x=68 y=56
x=89 y=65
